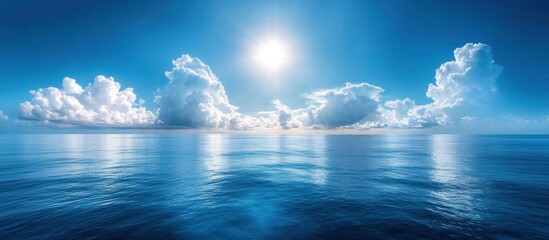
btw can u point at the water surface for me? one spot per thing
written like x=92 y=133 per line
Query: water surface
x=274 y=187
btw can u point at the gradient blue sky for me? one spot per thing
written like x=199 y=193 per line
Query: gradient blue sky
x=396 y=45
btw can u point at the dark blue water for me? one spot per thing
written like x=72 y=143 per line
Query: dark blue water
x=273 y=187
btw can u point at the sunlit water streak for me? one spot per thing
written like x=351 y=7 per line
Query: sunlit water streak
x=273 y=187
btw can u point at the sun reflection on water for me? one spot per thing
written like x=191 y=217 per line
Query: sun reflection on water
x=456 y=195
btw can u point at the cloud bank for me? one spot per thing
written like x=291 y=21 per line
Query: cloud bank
x=194 y=97
x=99 y=104
x=326 y=109
x=466 y=80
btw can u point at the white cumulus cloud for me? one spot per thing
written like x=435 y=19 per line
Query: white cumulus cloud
x=406 y=114
x=460 y=83
x=326 y=109
x=470 y=76
x=100 y=103
x=194 y=97
x=344 y=106
x=288 y=118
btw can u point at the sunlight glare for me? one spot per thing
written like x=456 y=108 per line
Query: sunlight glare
x=272 y=55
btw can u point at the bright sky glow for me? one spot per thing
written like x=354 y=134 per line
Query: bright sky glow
x=272 y=55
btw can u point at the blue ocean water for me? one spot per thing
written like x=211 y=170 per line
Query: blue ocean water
x=112 y=186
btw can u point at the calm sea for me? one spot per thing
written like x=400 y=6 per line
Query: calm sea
x=274 y=187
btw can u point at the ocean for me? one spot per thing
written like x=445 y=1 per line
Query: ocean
x=210 y=186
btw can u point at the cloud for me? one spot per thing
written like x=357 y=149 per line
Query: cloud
x=406 y=114
x=288 y=118
x=469 y=77
x=194 y=97
x=325 y=109
x=459 y=86
x=508 y=123
x=344 y=106
x=3 y=117
x=100 y=103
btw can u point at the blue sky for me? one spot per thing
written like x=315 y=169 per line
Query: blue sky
x=394 y=45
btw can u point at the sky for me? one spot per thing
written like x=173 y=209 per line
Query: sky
x=275 y=65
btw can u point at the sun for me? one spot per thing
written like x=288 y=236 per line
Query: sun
x=272 y=54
